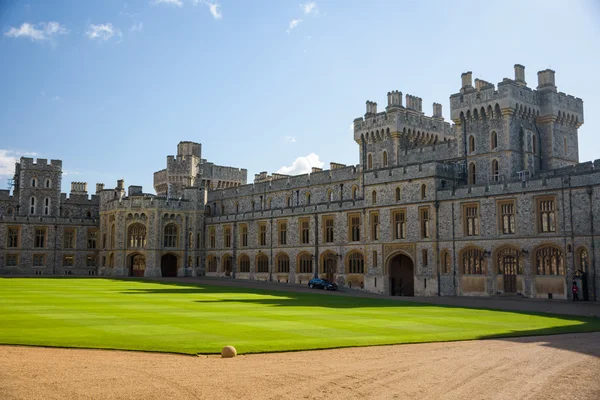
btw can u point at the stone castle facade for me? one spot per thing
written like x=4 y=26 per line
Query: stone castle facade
x=495 y=202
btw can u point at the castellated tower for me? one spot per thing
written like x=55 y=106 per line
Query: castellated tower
x=386 y=137
x=513 y=129
x=37 y=186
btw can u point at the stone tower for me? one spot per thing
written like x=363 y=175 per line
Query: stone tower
x=37 y=186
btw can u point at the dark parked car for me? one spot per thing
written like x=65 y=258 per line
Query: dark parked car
x=322 y=283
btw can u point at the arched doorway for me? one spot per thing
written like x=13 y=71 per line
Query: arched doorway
x=168 y=265
x=227 y=265
x=137 y=265
x=329 y=265
x=402 y=276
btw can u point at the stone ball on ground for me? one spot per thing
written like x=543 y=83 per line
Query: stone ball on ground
x=228 y=352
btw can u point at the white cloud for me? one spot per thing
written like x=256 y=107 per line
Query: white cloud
x=351 y=127
x=310 y=8
x=177 y=3
x=213 y=7
x=102 y=31
x=67 y=172
x=39 y=32
x=215 y=10
x=137 y=27
x=8 y=158
x=302 y=165
x=293 y=23
x=290 y=139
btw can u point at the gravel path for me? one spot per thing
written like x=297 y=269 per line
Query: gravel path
x=549 y=367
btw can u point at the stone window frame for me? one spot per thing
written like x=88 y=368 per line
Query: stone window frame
x=282 y=232
x=375 y=259
x=424 y=258
x=423 y=191
x=500 y=206
x=353 y=227
x=401 y=213
x=262 y=234
x=32 y=205
x=304 y=231
x=354 y=192
x=355 y=262
x=262 y=263
x=68 y=260
x=493 y=140
x=244 y=263
x=212 y=237
x=40 y=237
x=47 y=203
x=211 y=263
x=227 y=237
x=425 y=222
x=307 y=198
x=445 y=262
x=374 y=224
x=502 y=253
x=136 y=235
x=471 y=144
x=472 y=173
x=243 y=235
x=12 y=260
x=48 y=183
x=476 y=261
x=283 y=263
x=369 y=161
x=467 y=216
x=91 y=261
x=495 y=170
x=38 y=260
x=539 y=203
x=548 y=253
x=582 y=252
x=13 y=240
x=374 y=197
x=398 y=193
x=328 y=223
x=92 y=238
x=304 y=263
x=33 y=182
x=384 y=157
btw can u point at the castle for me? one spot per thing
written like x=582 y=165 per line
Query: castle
x=495 y=203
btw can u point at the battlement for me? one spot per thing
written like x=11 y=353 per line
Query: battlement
x=288 y=183
x=79 y=198
x=265 y=177
x=39 y=164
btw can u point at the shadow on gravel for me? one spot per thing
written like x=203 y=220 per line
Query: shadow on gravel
x=585 y=342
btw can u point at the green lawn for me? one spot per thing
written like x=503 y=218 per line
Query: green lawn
x=182 y=318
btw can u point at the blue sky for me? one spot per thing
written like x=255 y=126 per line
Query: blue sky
x=111 y=87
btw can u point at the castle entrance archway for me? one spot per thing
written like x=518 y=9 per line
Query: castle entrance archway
x=329 y=265
x=137 y=265
x=168 y=265
x=402 y=276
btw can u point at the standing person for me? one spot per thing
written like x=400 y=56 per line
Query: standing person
x=575 y=291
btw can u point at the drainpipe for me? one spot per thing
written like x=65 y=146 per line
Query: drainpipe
x=572 y=226
x=453 y=252
x=271 y=257
x=590 y=192
x=436 y=246
x=316 y=268
x=564 y=233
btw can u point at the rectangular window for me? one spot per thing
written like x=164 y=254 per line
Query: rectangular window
x=507 y=217
x=374 y=259
x=92 y=237
x=69 y=238
x=212 y=237
x=424 y=257
x=424 y=214
x=304 y=231
x=39 y=260
x=227 y=236
x=262 y=234
x=328 y=229
x=471 y=219
x=68 y=261
x=40 y=238
x=13 y=237
x=90 y=261
x=399 y=224
x=374 y=226
x=354 y=227
x=282 y=233
x=244 y=235
x=12 y=260
x=546 y=215
x=198 y=240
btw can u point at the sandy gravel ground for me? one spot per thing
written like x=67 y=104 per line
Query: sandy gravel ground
x=548 y=367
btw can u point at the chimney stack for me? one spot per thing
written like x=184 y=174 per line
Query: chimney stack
x=520 y=75
x=546 y=80
x=467 y=79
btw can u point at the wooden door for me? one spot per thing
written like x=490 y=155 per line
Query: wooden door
x=509 y=269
